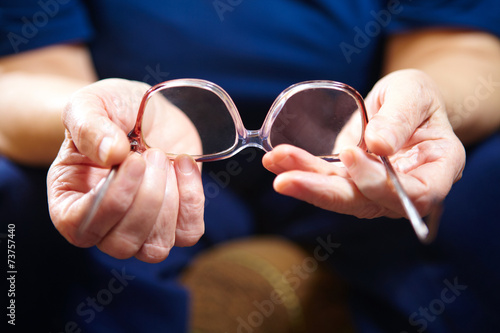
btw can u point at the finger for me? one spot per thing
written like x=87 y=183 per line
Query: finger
x=399 y=106
x=190 y=224
x=286 y=158
x=160 y=241
x=334 y=193
x=126 y=238
x=370 y=177
x=115 y=204
x=93 y=132
x=437 y=165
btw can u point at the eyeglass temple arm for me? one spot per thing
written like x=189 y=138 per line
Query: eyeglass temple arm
x=96 y=203
x=419 y=226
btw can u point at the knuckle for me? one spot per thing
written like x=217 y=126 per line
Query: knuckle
x=190 y=226
x=119 y=202
x=81 y=134
x=191 y=220
x=189 y=237
x=323 y=200
x=370 y=211
x=85 y=239
x=192 y=203
x=119 y=246
x=74 y=235
x=154 y=253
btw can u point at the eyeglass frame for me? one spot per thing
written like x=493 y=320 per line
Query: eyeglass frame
x=244 y=138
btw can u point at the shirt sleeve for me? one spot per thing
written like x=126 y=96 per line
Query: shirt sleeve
x=463 y=14
x=30 y=24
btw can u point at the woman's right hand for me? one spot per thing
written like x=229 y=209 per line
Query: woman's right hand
x=152 y=204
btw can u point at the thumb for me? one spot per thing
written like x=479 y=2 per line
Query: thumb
x=92 y=131
x=399 y=103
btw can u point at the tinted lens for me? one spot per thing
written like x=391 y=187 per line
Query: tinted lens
x=188 y=120
x=319 y=120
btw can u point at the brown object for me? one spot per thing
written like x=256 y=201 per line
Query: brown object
x=264 y=284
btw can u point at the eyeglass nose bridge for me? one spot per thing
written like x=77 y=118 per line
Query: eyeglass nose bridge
x=253 y=138
x=247 y=139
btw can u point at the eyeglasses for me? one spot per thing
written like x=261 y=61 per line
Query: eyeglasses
x=320 y=117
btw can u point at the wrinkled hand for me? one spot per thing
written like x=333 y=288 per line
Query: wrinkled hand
x=152 y=204
x=408 y=122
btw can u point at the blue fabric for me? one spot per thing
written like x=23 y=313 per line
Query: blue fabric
x=27 y=25
x=255 y=49
x=444 y=13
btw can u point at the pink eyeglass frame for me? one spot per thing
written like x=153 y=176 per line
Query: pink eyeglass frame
x=244 y=138
x=260 y=139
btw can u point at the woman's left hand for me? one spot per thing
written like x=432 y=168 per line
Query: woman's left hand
x=407 y=122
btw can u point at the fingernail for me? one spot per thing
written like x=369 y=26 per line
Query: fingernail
x=185 y=164
x=134 y=166
x=280 y=184
x=105 y=148
x=347 y=158
x=157 y=158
